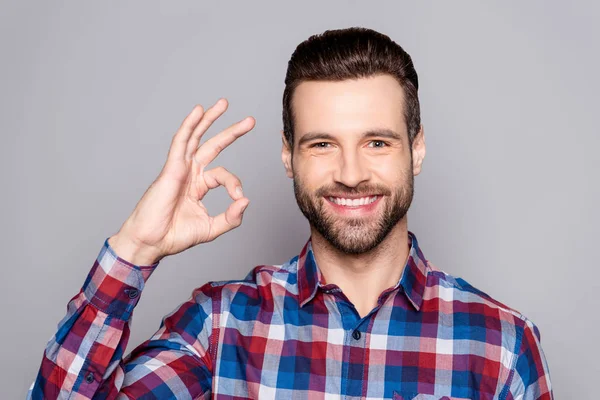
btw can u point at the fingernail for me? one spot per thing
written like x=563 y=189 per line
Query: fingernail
x=239 y=191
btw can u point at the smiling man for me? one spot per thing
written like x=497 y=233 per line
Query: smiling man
x=359 y=313
x=353 y=166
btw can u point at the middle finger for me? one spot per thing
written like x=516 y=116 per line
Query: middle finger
x=215 y=145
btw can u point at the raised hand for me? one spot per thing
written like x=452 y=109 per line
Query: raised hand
x=170 y=216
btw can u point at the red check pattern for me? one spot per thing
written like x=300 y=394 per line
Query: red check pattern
x=283 y=332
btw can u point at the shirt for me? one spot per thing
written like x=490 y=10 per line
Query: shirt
x=283 y=333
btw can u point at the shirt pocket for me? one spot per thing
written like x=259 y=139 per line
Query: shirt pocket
x=421 y=396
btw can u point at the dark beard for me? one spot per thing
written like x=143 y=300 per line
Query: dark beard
x=353 y=235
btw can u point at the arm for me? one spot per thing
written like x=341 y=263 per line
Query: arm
x=84 y=358
x=531 y=379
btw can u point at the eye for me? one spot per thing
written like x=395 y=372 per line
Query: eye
x=320 y=145
x=378 y=143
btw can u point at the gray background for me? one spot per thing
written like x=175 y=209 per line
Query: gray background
x=91 y=95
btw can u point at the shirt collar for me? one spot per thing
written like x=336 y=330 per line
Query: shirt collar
x=413 y=280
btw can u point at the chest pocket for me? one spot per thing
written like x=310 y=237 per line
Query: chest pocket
x=421 y=396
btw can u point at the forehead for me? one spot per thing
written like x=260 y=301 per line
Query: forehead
x=349 y=106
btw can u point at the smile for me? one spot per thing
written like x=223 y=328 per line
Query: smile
x=353 y=202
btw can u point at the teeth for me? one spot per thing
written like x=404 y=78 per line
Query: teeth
x=353 y=202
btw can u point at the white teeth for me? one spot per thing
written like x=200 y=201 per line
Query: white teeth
x=353 y=202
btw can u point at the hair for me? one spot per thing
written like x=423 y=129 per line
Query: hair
x=351 y=53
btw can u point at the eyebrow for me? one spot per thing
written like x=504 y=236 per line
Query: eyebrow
x=382 y=133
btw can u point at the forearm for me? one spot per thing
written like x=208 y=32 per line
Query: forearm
x=82 y=356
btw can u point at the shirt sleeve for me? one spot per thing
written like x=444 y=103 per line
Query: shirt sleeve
x=84 y=358
x=531 y=378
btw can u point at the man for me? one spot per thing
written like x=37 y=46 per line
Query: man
x=359 y=313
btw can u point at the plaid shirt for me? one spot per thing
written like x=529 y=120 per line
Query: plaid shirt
x=283 y=333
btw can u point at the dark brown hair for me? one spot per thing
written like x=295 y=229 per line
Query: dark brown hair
x=351 y=53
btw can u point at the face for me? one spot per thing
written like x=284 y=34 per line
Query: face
x=352 y=167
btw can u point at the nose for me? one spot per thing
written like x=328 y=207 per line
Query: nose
x=351 y=170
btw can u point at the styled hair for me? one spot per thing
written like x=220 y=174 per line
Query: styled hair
x=351 y=53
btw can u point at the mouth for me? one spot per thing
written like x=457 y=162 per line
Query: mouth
x=353 y=202
x=354 y=206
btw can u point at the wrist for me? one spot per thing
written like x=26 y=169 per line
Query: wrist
x=133 y=252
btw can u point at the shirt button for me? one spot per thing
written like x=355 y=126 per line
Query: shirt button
x=133 y=293
x=89 y=378
x=356 y=334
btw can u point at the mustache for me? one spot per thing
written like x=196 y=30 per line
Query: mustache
x=353 y=191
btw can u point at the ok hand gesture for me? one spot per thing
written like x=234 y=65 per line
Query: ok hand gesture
x=170 y=216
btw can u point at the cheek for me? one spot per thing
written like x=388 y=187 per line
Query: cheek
x=390 y=172
x=312 y=173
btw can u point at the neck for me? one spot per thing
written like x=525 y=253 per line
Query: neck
x=362 y=277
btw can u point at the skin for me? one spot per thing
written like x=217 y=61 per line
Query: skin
x=362 y=252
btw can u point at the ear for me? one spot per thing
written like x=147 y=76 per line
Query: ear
x=418 y=151
x=286 y=156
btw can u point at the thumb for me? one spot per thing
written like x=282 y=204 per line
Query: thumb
x=230 y=219
x=240 y=206
x=235 y=212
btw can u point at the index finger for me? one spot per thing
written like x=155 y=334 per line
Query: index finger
x=210 y=149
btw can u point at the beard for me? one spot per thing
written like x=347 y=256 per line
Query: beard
x=356 y=235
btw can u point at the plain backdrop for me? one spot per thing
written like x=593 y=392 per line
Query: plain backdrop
x=91 y=94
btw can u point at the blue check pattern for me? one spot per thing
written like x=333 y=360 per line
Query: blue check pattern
x=284 y=333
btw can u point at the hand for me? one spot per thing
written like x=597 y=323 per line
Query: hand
x=170 y=217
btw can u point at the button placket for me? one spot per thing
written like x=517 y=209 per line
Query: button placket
x=357 y=364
